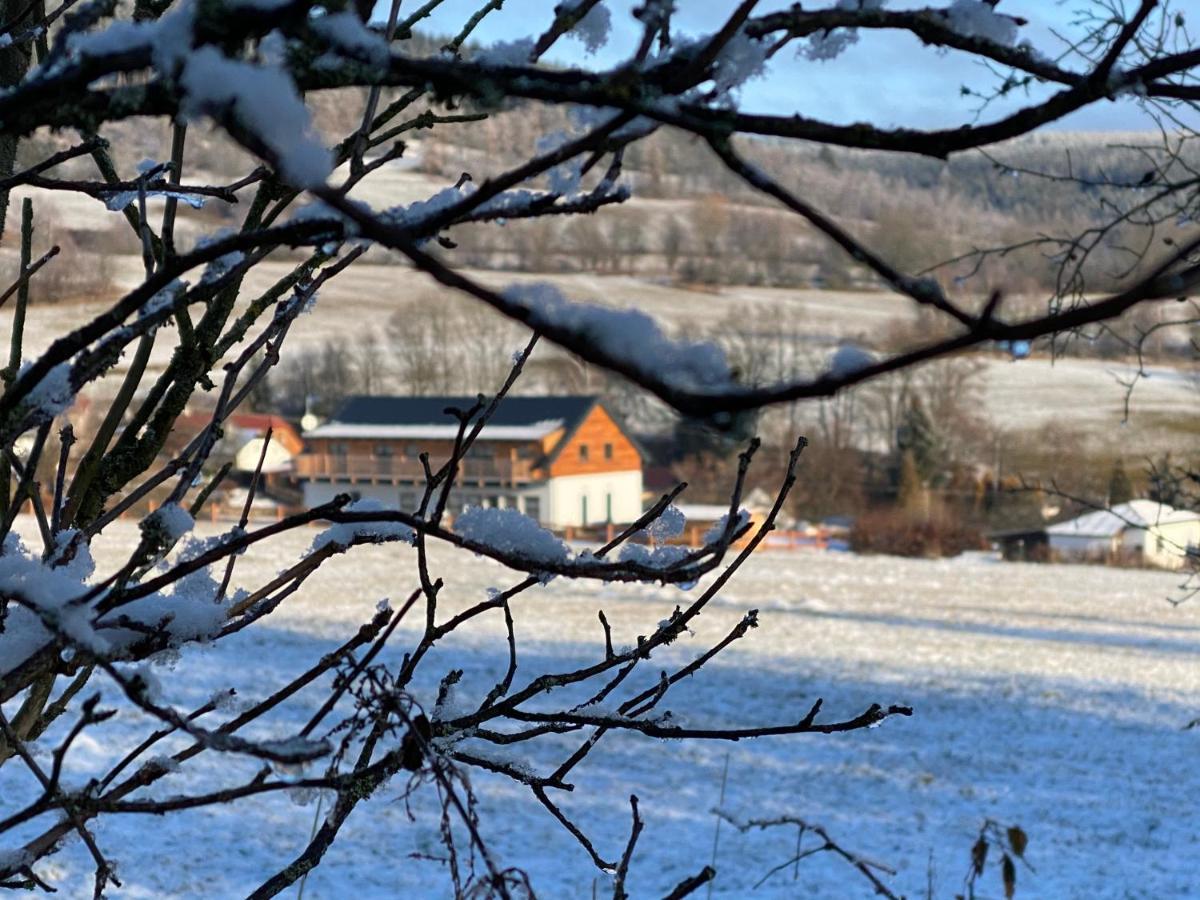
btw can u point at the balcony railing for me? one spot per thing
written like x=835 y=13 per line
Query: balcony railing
x=348 y=467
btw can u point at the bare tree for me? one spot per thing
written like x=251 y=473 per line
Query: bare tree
x=69 y=632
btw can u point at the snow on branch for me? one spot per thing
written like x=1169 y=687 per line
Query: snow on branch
x=628 y=336
x=264 y=101
x=976 y=18
x=510 y=531
x=342 y=536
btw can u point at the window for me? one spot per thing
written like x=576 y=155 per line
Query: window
x=383 y=459
x=608 y=505
x=338 y=464
x=583 y=519
x=583 y=452
x=533 y=508
x=608 y=451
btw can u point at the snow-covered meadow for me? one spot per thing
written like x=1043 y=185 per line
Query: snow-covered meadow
x=1052 y=697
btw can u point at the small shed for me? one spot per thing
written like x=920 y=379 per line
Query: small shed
x=1022 y=544
x=1140 y=531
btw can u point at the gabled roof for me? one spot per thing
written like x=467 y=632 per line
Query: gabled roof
x=516 y=418
x=1140 y=514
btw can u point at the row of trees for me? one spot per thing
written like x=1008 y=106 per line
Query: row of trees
x=1072 y=185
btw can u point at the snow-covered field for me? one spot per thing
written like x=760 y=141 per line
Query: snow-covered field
x=1052 y=697
x=1033 y=392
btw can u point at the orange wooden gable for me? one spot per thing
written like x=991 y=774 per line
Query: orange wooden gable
x=597 y=445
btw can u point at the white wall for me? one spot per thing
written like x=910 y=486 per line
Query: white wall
x=1074 y=546
x=560 y=499
x=407 y=497
x=1176 y=538
x=567 y=492
x=1169 y=552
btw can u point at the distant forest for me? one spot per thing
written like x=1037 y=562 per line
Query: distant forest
x=690 y=221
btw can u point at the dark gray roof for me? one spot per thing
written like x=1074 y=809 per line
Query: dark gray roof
x=512 y=411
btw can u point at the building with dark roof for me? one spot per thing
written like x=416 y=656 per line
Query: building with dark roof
x=563 y=460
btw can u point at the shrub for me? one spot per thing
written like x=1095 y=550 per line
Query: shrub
x=901 y=533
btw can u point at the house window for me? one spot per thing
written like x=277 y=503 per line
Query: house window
x=338 y=462
x=608 y=451
x=608 y=506
x=583 y=452
x=533 y=508
x=583 y=518
x=383 y=459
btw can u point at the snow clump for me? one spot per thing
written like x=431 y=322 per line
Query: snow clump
x=264 y=100
x=848 y=359
x=975 y=18
x=565 y=177
x=42 y=596
x=829 y=44
x=53 y=394
x=509 y=530
x=717 y=531
x=342 y=535
x=346 y=32
x=626 y=336
x=661 y=557
x=168 y=523
x=669 y=524
x=507 y=53
x=592 y=30
x=165 y=298
x=740 y=60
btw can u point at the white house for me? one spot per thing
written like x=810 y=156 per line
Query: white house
x=565 y=461
x=1153 y=533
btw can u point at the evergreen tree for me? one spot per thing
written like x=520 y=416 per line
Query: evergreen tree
x=910 y=495
x=1120 y=488
x=1167 y=483
x=917 y=435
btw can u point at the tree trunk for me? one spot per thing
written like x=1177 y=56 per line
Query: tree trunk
x=14 y=63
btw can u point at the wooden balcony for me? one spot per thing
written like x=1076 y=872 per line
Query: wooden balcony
x=402 y=470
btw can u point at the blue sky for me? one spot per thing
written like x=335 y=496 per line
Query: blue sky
x=887 y=78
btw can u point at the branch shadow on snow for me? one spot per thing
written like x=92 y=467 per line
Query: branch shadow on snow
x=1047 y=753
